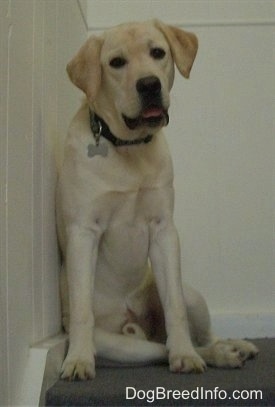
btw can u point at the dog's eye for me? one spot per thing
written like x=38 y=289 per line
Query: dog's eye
x=118 y=62
x=157 y=53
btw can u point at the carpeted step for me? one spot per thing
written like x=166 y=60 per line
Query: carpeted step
x=253 y=385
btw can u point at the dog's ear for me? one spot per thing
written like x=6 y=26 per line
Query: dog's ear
x=183 y=45
x=84 y=69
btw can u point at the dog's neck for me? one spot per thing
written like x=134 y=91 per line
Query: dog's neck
x=100 y=129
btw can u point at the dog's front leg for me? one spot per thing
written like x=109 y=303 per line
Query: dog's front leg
x=165 y=259
x=80 y=263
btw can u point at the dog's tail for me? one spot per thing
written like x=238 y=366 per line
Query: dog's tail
x=126 y=349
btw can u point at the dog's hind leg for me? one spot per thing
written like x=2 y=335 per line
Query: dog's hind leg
x=228 y=353
x=198 y=317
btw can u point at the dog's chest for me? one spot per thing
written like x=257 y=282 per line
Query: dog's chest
x=121 y=193
x=132 y=212
x=133 y=217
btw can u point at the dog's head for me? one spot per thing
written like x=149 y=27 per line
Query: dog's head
x=127 y=74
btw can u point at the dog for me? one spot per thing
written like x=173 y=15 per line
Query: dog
x=122 y=292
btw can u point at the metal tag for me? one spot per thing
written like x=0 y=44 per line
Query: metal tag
x=100 y=149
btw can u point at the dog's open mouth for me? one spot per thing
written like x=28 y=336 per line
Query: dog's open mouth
x=151 y=116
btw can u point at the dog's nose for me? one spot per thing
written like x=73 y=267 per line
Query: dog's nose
x=148 y=85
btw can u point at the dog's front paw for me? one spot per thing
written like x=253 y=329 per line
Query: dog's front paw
x=186 y=364
x=77 y=369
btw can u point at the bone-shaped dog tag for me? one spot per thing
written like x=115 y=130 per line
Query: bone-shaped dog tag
x=101 y=149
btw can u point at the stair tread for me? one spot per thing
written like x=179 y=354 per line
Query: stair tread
x=109 y=386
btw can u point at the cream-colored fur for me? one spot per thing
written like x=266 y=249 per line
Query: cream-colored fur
x=121 y=283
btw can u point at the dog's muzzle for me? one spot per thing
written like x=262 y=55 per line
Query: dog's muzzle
x=153 y=113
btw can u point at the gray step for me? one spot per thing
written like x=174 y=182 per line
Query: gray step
x=109 y=386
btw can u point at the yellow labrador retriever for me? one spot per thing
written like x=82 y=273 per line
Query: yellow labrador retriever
x=122 y=290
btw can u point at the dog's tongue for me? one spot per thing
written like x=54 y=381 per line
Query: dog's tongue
x=152 y=112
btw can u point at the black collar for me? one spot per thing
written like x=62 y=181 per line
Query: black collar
x=100 y=128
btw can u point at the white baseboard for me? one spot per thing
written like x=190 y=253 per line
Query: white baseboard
x=244 y=325
x=42 y=370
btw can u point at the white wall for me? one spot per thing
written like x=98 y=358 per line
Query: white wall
x=37 y=102
x=221 y=136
